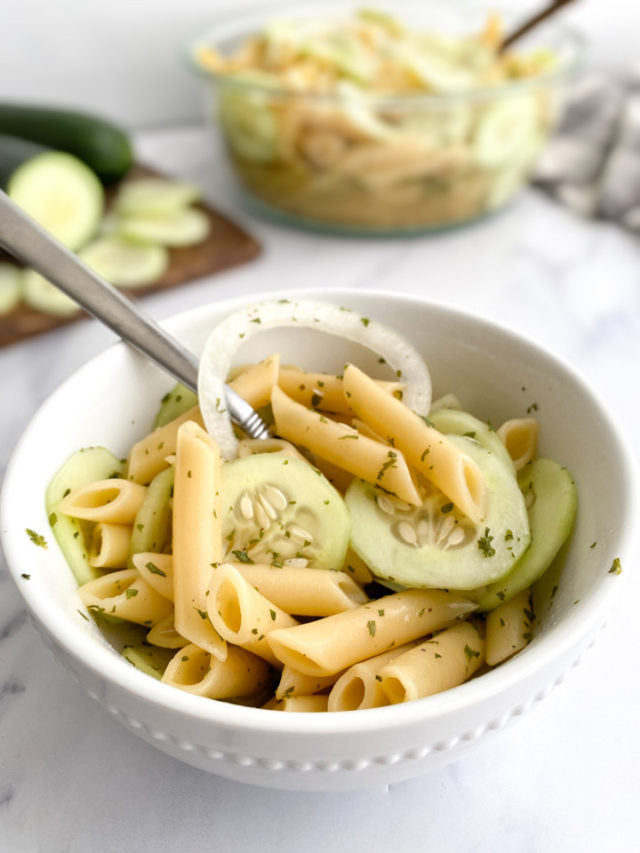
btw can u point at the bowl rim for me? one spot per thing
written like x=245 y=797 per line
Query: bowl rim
x=251 y=19
x=108 y=666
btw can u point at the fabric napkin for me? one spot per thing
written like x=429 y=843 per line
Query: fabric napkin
x=592 y=163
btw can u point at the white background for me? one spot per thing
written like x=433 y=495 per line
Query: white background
x=122 y=57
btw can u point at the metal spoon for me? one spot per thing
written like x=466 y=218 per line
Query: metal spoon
x=23 y=238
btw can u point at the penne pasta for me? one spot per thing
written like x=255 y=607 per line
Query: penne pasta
x=294 y=683
x=164 y=634
x=361 y=686
x=329 y=645
x=157 y=571
x=149 y=455
x=427 y=450
x=241 y=614
x=305 y=704
x=256 y=382
x=303 y=591
x=509 y=628
x=196 y=671
x=343 y=446
x=520 y=437
x=113 y=501
x=197 y=538
x=126 y=595
x=249 y=446
x=109 y=547
x=444 y=661
x=323 y=391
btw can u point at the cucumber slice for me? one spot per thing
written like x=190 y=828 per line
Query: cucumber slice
x=435 y=545
x=456 y=422
x=125 y=264
x=60 y=193
x=184 y=228
x=278 y=509
x=552 y=498
x=152 y=526
x=10 y=287
x=155 y=197
x=149 y=659
x=43 y=296
x=247 y=118
x=505 y=128
x=175 y=403
x=84 y=466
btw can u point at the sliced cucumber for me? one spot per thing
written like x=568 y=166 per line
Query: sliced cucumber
x=10 y=287
x=247 y=117
x=149 y=659
x=175 y=403
x=504 y=128
x=125 y=264
x=434 y=545
x=183 y=228
x=552 y=501
x=155 y=197
x=152 y=525
x=456 y=422
x=277 y=509
x=60 y=193
x=84 y=466
x=40 y=294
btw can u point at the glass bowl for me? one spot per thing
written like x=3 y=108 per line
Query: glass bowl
x=349 y=160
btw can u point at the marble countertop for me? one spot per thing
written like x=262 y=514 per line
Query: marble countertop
x=565 y=778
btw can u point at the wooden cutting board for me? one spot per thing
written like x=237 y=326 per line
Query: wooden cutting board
x=226 y=246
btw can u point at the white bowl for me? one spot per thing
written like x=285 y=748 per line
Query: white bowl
x=111 y=401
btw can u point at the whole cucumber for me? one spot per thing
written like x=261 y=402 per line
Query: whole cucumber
x=105 y=148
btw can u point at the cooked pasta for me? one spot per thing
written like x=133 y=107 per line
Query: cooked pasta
x=343 y=446
x=197 y=538
x=442 y=662
x=110 y=546
x=336 y=642
x=256 y=382
x=261 y=583
x=520 y=437
x=241 y=614
x=196 y=671
x=428 y=450
x=113 y=501
x=125 y=595
x=509 y=628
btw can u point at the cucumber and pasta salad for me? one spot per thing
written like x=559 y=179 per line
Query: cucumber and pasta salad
x=362 y=120
x=379 y=548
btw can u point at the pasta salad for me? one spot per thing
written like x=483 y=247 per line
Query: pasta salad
x=380 y=549
x=365 y=121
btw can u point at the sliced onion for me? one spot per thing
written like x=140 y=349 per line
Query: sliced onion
x=238 y=327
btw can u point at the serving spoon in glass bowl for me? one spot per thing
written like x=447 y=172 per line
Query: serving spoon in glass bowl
x=28 y=242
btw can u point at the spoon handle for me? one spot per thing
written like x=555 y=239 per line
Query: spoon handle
x=30 y=243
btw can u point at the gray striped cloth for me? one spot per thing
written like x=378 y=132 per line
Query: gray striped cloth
x=592 y=163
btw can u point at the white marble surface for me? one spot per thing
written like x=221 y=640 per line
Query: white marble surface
x=565 y=778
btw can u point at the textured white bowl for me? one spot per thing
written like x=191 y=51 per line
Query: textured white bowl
x=496 y=374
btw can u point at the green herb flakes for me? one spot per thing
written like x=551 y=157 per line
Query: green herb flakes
x=371 y=626
x=242 y=556
x=616 y=568
x=37 y=538
x=471 y=653
x=484 y=544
